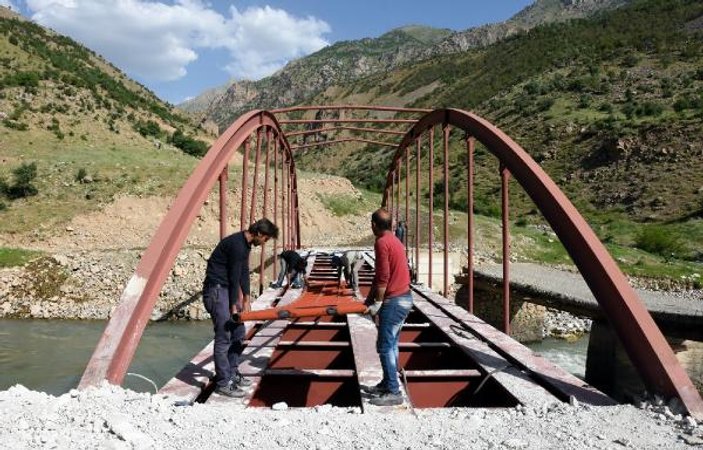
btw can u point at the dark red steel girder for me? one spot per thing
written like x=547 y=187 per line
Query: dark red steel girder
x=308 y=121
x=333 y=129
x=351 y=107
x=341 y=141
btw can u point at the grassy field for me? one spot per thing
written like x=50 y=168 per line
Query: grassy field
x=115 y=164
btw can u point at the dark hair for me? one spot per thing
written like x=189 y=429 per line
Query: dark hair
x=382 y=219
x=265 y=227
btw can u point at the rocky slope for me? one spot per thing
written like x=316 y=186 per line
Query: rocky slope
x=339 y=63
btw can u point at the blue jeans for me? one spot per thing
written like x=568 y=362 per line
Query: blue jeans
x=228 y=344
x=390 y=320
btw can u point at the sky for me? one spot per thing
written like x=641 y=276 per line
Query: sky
x=180 y=48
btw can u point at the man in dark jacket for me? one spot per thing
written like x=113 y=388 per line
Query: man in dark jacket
x=227 y=276
x=292 y=265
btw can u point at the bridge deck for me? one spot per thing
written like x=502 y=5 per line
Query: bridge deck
x=449 y=358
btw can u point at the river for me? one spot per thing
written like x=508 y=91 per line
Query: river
x=50 y=355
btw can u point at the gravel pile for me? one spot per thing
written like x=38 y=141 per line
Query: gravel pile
x=561 y=324
x=113 y=418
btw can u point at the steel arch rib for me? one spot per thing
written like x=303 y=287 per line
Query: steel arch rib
x=119 y=341
x=640 y=336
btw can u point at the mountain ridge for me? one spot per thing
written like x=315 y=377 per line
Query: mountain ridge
x=346 y=61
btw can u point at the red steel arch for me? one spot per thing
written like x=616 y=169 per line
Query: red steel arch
x=117 y=346
x=643 y=341
x=641 y=337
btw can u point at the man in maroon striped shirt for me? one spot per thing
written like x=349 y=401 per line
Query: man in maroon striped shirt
x=390 y=298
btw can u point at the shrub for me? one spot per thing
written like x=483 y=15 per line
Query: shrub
x=148 y=128
x=649 y=108
x=15 y=125
x=658 y=240
x=22 y=187
x=81 y=174
x=584 y=101
x=188 y=145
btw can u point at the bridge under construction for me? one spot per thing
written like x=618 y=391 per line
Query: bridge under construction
x=319 y=348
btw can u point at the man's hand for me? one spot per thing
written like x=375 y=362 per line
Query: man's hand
x=246 y=303
x=374 y=308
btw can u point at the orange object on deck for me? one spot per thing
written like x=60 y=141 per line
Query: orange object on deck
x=320 y=298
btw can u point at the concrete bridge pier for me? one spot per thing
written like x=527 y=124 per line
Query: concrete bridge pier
x=609 y=368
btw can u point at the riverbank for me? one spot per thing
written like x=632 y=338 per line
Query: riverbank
x=115 y=418
x=87 y=285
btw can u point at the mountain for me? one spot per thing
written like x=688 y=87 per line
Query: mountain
x=203 y=101
x=76 y=131
x=611 y=107
x=341 y=62
x=539 y=13
x=344 y=62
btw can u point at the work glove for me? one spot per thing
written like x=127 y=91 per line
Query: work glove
x=374 y=308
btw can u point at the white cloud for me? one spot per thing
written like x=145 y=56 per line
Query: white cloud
x=9 y=4
x=157 y=41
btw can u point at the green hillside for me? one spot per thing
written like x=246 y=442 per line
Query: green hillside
x=611 y=106
x=75 y=131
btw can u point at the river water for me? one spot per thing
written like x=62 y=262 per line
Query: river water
x=50 y=355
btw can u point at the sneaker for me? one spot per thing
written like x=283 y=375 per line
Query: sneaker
x=230 y=390
x=239 y=380
x=378 y=389
x=387 y=399
x=296 y=286
x=274 y=285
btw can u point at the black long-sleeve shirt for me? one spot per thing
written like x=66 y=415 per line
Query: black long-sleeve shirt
x=292 y=258
x=229 y=266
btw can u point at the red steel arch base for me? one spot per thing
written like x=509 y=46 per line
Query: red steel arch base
x=119 y=341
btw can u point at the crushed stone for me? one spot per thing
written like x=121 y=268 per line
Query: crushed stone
x=111 y=417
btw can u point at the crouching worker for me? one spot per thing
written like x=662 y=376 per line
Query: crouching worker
x=293 y=268
x=352 y=261
x=390 y=298
x=227 y=276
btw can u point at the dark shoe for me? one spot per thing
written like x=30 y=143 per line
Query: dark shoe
x=379 y=389
x=240 y=381
x=387 y=399
x=296 y=286
x=230 y=390
x=274 y=285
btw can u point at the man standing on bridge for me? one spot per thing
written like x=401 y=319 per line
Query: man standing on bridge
x=390 y=298
x=226 y=276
